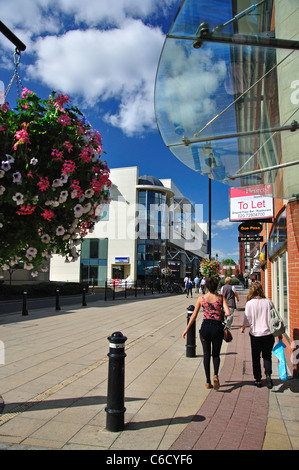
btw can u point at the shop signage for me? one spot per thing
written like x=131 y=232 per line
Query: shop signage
x=122 y=259
x=250 y=239
x=254 y=202
x=250 y=228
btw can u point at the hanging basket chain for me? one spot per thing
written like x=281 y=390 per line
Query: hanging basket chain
x=17 y=58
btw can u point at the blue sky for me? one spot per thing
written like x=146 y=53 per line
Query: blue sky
x=104 y=55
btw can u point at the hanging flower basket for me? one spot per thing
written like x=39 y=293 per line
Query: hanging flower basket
x=53 y=184
x=210 y=268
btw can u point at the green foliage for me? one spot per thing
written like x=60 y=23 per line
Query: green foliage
x=53 y=183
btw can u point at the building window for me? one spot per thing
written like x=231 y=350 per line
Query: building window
x=94 y=261
x=152 y=231
x=280 y=286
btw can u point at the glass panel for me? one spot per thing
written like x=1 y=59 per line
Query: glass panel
x=94 y=248
x=85 y=249
x=103 y=248
x=220 y=107
x=93 y=274
x=285 y=290
x=84 y=273
x=277 y=283
x=278 y=235
x=102 y=275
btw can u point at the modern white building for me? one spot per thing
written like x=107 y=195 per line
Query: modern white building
x=149 y=226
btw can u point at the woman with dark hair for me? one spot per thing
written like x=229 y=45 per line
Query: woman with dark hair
x=257 y=317
x=211 y=331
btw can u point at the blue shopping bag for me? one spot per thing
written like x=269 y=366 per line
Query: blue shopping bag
x=278 y=351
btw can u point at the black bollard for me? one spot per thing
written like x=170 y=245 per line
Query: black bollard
x=57 y=306
x=116 y=383
x=84 y=304
x=105 y=296
x=24 y=308
x=190 y=346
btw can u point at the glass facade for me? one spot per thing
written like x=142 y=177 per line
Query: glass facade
x=93 y=264
x=152 y=232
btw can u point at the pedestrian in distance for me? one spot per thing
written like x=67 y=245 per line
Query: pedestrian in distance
x=196 y=284
x=185 y=283
x=203 y=285
x=229 y=292
x=212 y=330
x=189 y=286
x=257 y=318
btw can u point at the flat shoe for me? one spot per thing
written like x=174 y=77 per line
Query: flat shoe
x=209 y=385
x=216 y=382
x=258 y=383
x=269 y=382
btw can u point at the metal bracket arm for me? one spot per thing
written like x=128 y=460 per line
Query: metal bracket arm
x=12 y=37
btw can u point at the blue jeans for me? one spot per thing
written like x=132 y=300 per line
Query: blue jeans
x=229 y=320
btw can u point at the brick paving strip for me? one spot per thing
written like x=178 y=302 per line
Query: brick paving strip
x=235 y=416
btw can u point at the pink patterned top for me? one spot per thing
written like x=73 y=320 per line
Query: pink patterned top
x=213 y=311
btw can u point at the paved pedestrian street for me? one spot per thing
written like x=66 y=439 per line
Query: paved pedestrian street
x=55 y=372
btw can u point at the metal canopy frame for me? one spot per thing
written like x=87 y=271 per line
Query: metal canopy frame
x=204 y=34
x=247 y=128
x=12 y=37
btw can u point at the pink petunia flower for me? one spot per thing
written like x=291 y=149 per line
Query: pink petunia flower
x=22 y=136
x=68 y=145
x=57 y=154
x=48 y=214
x=68 y=167
x=61 y=100
x=43 y=184
x=65 y=120
x=25 y=93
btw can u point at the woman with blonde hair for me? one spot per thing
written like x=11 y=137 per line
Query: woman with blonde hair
x=257 y=317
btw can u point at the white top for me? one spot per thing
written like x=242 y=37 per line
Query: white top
x=257 y=316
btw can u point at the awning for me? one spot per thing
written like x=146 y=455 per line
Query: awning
x=227 y=92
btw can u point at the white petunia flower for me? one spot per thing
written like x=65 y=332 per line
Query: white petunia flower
x=16 y=177
x=78 y=210
x=60 y=230
x=31 y=251
x=28 y=266
x=18 y=198
x=45 y=238
x=5 y=166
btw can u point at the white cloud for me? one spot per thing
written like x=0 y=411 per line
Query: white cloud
x=224 y=224
x=94 y=52
x=112 y=12
x=189 y=82
x=97 y=65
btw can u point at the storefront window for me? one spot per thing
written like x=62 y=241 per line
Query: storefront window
x=280 y=286
x=279 y=235
x=285 y=290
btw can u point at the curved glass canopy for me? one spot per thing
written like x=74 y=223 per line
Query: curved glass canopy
x=227 y=92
